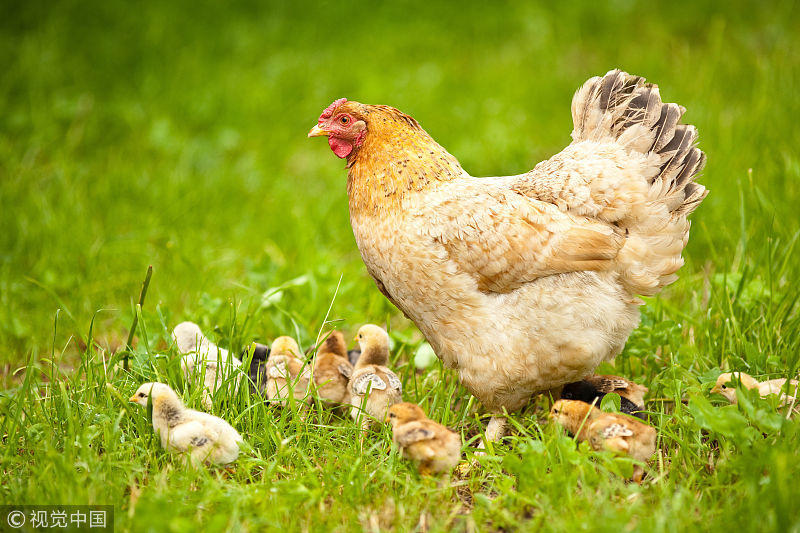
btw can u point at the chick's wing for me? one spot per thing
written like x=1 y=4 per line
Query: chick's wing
x=413 y=432
x=367 y=381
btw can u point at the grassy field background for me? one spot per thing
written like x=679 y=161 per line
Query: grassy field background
x=174 y=134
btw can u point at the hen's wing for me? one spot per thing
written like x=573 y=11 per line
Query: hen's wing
x=631 y=165
x=505 y=239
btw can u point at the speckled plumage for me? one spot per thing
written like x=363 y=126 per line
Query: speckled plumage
x=525 y=283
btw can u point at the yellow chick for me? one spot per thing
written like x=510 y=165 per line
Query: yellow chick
x=432 y=446
x=202 y=359
x=286 y=372
x=206 y=438
x=607 y=431
x=332 y=370
x=373 y=387
x=574 y=416
x=726 y=386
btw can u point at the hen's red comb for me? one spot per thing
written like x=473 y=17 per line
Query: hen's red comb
x=328 y=113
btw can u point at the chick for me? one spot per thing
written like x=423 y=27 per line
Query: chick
x=607 y=431
x=206 y=438
x=258 y=366
x=202 y=358
x=332 y=370
x=574 y=416
x=726 y=386
x=286 y=372
x=373 y=387
x=432 y=446
x=625 y=436
x=594 y=388
x=353 y=355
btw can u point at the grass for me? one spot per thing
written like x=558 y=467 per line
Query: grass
x=173 y=134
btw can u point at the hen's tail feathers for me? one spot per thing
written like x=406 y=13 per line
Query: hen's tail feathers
x=622 y=108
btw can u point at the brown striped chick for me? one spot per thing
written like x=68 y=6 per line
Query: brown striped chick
x=432 y=446
x=594 y=388
x=607 y=431
x=623 y=435
x=205 y=438
x=286 y=372
x=332 y=370
x=727 y=382
x=373 y=387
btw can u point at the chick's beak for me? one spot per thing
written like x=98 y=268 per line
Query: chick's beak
x=132 y=399
x=317 y=131
x=716 y=389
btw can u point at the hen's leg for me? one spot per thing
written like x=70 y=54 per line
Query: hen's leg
x=495 y=431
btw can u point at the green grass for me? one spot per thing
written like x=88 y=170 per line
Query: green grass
x=173 y=134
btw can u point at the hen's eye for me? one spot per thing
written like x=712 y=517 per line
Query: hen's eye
x=344 y=119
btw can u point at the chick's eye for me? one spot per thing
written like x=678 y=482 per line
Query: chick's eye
x=724 y=386
x=141 y=395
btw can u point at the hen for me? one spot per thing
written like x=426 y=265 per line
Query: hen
x=524 y=283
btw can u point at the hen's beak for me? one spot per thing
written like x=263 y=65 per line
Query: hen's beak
x=316 y=131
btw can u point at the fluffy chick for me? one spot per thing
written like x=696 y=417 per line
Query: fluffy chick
x=574 y=416
x=373 y=387
x=432 y=446
x=206 y=438
x=607 y=431
x=594 y=388
x=726 y=386
x=202 y=358
x=286 y=372
x=332 y=370
x=258 y=366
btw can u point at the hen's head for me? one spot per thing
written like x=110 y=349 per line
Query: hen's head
x=345 y=125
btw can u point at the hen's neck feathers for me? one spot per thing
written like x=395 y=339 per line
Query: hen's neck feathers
x=398 y=157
